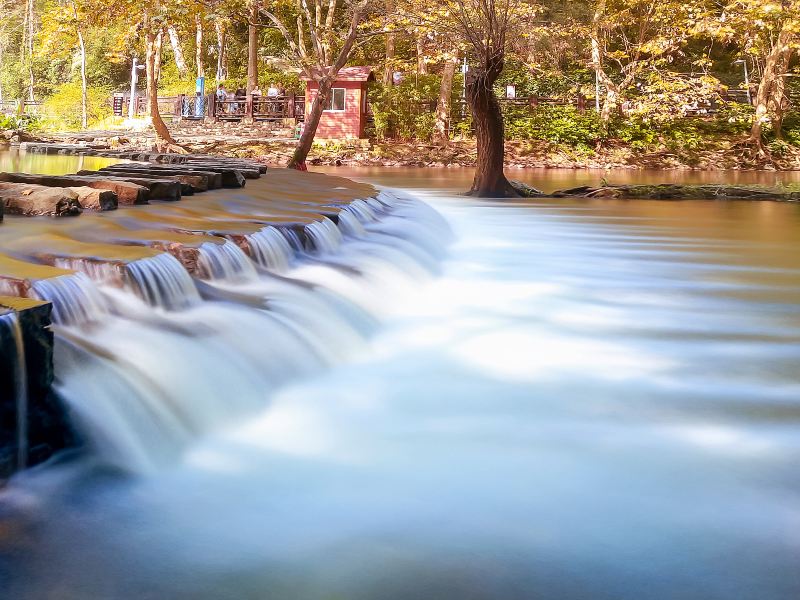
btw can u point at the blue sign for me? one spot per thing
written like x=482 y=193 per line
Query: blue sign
x=200 y=86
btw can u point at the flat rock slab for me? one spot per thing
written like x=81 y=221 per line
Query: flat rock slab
x=195 y=183
x=127 y=192
x=680 y=192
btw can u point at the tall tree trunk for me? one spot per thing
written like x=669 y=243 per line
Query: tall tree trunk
x=310 y=124
x=252 y=48
x=29 y=29
x=156 y=65
x=781 y=99
x=767 y=88
x=157 y=60
x=611 y=97
x=153 y=54
x=84 y=82
x=489 y=181
x=441 y=132
x=312 y=119
x=222 y=59
x=422 y=66
x=388 y=70
x=610 y=103
x=2 y=53
x=198 y=46
x=177 y=51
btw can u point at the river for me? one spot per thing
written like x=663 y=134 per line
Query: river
x=582 y=399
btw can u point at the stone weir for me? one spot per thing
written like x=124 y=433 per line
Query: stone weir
x=162 y=209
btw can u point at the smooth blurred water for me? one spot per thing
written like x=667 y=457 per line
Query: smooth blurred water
x=594 y=400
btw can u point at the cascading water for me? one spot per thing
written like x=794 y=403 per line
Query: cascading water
x=350 y=225
x=225 y=261
x=271 y=249
x=162 y=281
x=75 y=298
x=295 y=241
x=324 y=236
x=10 y=323
x=142 y=383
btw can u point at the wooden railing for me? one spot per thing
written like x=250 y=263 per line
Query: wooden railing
x=257 y=108
x=21 y=107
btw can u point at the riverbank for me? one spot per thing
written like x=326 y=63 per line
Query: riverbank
x=531 y=154
x=718 y=154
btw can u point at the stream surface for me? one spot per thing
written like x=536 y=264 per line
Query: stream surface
x=581 y=400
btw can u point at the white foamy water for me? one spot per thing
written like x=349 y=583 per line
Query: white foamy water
x=585 y=400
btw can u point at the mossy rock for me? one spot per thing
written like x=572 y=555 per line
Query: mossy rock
x=524 y=190
x=681 y=192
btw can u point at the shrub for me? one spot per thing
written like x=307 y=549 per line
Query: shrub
x=405 y=111
x=62 y=110
x=26 y=122
x=558 y=124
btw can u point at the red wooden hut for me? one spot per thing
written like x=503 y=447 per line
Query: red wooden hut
x=345 y=117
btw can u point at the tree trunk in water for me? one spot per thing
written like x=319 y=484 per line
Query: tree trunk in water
x=388 y=71
x=489 y=182
x=177 y=52
x=198 y=47
x=162 y=133
x=768 y=85
x=310 y=125
x=252 y=48
x=422 y=66
x=222 y=60
x=441 y=133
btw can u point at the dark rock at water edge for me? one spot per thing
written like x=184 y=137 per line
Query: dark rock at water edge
x=525 y=190
x=48 y=426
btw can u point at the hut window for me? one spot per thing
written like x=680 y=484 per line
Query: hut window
x=336 y=99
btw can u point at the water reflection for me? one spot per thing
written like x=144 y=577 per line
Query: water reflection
x=459 y=179
x=19 y=161
x=595 y=400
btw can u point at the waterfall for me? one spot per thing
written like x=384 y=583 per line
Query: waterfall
x=294 y=239
x=162 y=281
x=75 y=298
x=364 y=211
x=324 y=236
x=350 y=225
x=141 y=384
x=225 y=261
x=271 y=249
x=10 y=322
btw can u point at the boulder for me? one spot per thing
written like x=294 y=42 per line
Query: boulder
x=94 y=199
x=47 y=426
x=37 y=200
